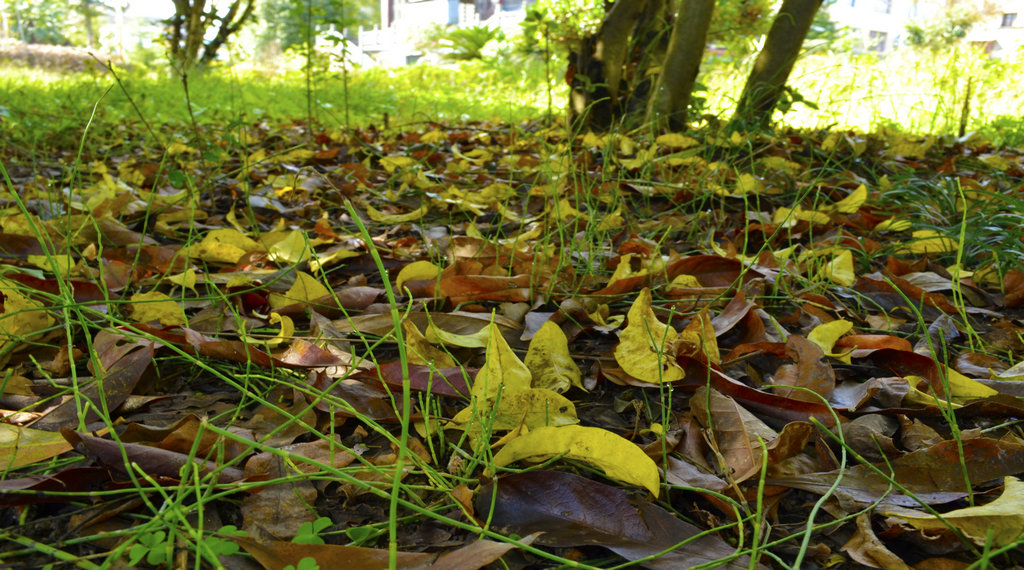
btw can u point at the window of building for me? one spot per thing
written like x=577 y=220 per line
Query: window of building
x=853 y=3
x=1009 y=20
x=883 y=6
x=876 y=41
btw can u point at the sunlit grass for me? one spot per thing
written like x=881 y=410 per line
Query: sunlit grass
x=915 y=92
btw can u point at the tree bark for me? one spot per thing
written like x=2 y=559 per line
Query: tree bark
x=595 y=72
x=775 y=62
x=188 y=26
x=608 y=75
x=671 y=97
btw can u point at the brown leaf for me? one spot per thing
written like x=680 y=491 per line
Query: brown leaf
x=278 y=554
x=810 y=372
x=934 y=474
x=865 y=548
x=108 y=391
x=153 y=461
x=571 y=511
x=474 y=555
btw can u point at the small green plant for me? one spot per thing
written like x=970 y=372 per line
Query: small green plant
x=466 y=44
x=308 y=563
x=309 y=532
x=155 y=548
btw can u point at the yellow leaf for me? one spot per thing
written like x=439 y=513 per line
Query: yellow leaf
x=999 y=523
x=748 y=184
x=416 y=271
x=549 y=361
x=602 y=318
x=620 y=458
x=293 y=248
x=420 y=351
x=156 y=306
x=21 y=446
x=684 y=281
x=592 y=140
x=851 y=203
x=626 y=146
x=287 y=331
x=825 y=335
x=1014 y=373
x=533 y=408
x=479 y=339
x=185 y=280
x=226 y=245
x=435 y=136
x=378 y=216
x=612 y=221
x=328 y=258
x=929 y=241
x=502 y=369
x=305 y=289
x=960 y=386
x=676 y=140
x=642 y=351
x=62 y=263
x=839 y=269
x=565 y=210
x=297 y=155
x=392 y=163
x=177 y=147
x=787 y=217
x=699 y=337
x=779 y=163
x=893 y=225
x=625 y=269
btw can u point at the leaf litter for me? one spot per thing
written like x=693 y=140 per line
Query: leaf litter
x=739 y=351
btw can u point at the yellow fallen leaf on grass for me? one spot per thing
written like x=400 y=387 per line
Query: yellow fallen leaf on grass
x=416 y=271
x=929 y=241
x=378 y=216
x=960 y=388
x=839 y=269
x=827 y=334
x=893 y=225
x=643 y=345
x=22 y=317
x=293 y=248
x=549 y=361
x=996 y=524
x=61 y=264
x=851 y=203
x=420 y=351
x=156 y=306
x=698 y=338
x=501 y=371
x=620 y=458
x=533 y=408
x=676 y=140
x=21 y=446
x=225 y=245
x=305 y=289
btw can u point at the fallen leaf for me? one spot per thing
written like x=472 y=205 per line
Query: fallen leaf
x=620 y=458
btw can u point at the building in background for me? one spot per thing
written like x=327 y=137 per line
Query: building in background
x=880 y=26
x=403 y=23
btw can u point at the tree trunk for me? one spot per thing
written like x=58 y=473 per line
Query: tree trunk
x=775 y=62
x=188 y=26
x=608 y=76
x=671 y=97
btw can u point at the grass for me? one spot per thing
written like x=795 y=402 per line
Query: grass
x=45 y=116
x=912 y=92
x=46 y=109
